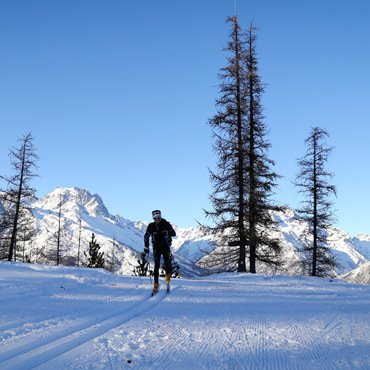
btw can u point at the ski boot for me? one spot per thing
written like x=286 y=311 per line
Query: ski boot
x=168 y=279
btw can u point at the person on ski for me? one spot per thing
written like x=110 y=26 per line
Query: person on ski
x=160 y=231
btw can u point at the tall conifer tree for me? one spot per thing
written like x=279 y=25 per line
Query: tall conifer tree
x=244 y=181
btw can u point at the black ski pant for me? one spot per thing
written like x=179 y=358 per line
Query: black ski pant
x=159 y=250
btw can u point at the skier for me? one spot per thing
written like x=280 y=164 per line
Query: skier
x=161 y=232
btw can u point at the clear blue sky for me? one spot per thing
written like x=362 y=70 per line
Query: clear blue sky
x=117 y=95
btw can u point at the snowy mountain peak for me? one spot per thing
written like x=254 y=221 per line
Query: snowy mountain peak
x=74 y=200
x=91 y=203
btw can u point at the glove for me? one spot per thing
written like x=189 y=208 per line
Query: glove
x=165 y=232
x=146 y=249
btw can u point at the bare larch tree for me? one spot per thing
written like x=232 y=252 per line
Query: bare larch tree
x=243 y=181
x=18 y=221
x=317 y=206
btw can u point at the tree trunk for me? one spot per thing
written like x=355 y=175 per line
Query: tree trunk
x=58 y=236
x=252 y=182
x=314 y=256
x=241 y=212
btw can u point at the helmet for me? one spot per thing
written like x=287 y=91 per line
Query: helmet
x=156 y=213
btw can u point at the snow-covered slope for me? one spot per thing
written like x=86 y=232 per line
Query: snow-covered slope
x=347 y=253
x=122 y=239
x=362 y=243
x=361 y=275
x=77 y=318
x=115 y=234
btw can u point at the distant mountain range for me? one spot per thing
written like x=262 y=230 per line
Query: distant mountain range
x=122 y=239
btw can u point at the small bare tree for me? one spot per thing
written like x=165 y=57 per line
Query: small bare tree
x=59 y=237
x=79 y=239
x=114 y=258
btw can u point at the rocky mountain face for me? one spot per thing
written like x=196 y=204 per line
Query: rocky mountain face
x=81 y=213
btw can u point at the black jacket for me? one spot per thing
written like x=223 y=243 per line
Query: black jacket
x=160 y=234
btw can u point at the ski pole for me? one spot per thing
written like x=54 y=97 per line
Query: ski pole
x=150 y=275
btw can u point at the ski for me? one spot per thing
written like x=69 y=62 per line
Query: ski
x=168 y=290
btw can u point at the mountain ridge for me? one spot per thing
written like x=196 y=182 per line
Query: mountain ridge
x=122 y=239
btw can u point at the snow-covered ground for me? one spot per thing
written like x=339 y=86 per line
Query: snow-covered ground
x=77 y=318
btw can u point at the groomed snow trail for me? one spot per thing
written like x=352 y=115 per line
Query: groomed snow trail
x=69 y=318
x=37 y=352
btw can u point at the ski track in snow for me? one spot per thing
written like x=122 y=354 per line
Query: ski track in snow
x=42 y=350
x=100 y=321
